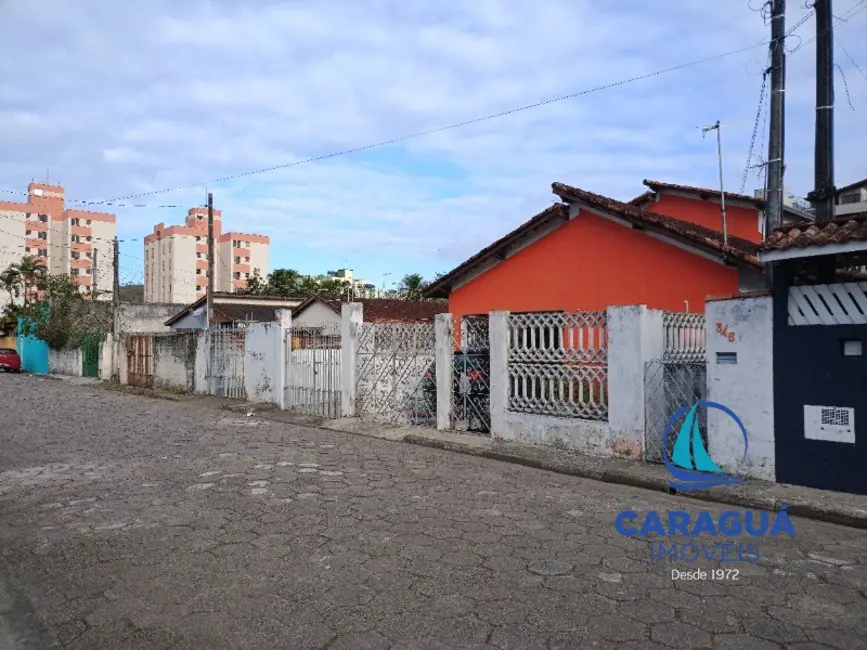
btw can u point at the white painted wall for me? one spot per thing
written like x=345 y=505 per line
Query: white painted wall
x=147 y=317
x=316 y=314
x=65 y=362
x=201 y=379
x=262 y=367
x=635 y=336
x=747 y=388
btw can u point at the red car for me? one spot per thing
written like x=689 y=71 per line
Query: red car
x=9 y=360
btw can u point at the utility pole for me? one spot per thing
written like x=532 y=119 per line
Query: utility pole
x=94 y=288
x=115 y=303
x=210 y=299
x=824 y=195
x=774 y=198
x=722 y=193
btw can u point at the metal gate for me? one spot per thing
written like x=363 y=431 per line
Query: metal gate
x=140 y=360
x=313 y=370
x=90 y=357
x=395 y=375
x=226 y=362
x=472 y=377
x=669 y=386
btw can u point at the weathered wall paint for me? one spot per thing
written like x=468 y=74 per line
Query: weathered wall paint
x=746 y=387
x=66 y=361
x=174 y=361
x=262 y=366
x=146 y=317
x=574 y=269
x=316 y=314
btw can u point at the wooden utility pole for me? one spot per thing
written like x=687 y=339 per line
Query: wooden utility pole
x=776 y=150
x=824 y=194
x=210 y=299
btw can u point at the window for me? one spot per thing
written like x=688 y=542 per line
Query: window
x=198 y=271
x=87 y=222
x=198 y=239
x=75 y=239
x=73 y=272
x=27 y=232
x=237 y=275
x=43 y=252
x=851 y=197
x=75 y=255
x=43 y=218
x=89 y=255
x=27 y=249
x=42 y=235
x=89 y=238
x=237 y=260
x=247 y=260
x=75 y=222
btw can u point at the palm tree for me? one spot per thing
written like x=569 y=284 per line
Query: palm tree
x=11 y=281
x=412 y=286
x=33 y=273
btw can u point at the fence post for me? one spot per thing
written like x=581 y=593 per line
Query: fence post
x=352 y=315
x=635 y=336
x=498 y=330
x=445 y=367
x=284 y=341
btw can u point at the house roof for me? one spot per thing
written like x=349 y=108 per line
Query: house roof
x=850 y=186
x=440 y=288
x=737 y=251
x=250 y=312
x=846 y=229
x=705 y=193
x=224 y=300
x=383 y=310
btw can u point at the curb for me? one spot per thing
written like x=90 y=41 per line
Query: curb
x=851 y=517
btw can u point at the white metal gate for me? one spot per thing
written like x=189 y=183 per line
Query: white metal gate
x=226 y=362
x=313 y=370
x=395 y=378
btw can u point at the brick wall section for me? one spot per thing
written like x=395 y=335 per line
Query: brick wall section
x=386 y=310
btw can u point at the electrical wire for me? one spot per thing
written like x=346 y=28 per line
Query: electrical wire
x=755 y=131
x=851 y=60
x=456 y=125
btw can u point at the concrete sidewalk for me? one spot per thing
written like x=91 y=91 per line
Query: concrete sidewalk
x=821 y=505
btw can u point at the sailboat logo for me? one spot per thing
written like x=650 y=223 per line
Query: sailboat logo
x=688 y=460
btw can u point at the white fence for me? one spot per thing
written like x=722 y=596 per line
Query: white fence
x=226 y=355
x=558 y=364
x=395 y=372
x=312 y=370
x=685 y=337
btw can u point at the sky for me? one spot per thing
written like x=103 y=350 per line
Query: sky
x=113 y=99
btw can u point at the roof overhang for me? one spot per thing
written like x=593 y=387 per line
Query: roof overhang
x=813 y=251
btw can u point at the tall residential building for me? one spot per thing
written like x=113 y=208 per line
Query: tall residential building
x=176 y=259
x=67 y=241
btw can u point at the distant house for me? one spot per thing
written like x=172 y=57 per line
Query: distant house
x=589 y=251
x=852 y=199
x=320 y=311
x=232 y=310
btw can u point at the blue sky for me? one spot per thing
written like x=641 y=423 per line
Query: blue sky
x=129 y=98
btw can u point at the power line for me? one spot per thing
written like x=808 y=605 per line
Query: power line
x=449 y=127
x=755 y=130
x=851 y=60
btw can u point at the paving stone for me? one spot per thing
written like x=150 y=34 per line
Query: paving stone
x=380 y=545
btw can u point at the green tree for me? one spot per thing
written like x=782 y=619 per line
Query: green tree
x=256 y=285
x=412 y=287
x=33 y=273
x=63 y=316
x=11 y=281
x=284 y=282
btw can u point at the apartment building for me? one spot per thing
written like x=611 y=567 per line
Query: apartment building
x=176 y=259
x=74 y=242
x=852 y=199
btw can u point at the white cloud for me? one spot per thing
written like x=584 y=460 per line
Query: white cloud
x=125 y=98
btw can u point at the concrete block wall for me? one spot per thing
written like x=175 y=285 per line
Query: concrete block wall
x=262 y=363
x=743 y=382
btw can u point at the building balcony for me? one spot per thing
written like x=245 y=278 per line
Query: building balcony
x=202 y=264
x=239 y=284
x=34 y=242
x=202 y=248
x=80 y=264
x=81 y=231
x=241 y=268
x=240 y=252
x=82 y=280
x=81 y=247
x=36 y=226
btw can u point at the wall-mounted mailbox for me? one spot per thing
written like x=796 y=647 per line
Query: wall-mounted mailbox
x=852 y=348
x=730 y=358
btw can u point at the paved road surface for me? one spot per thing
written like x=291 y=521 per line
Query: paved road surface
x=131 y=523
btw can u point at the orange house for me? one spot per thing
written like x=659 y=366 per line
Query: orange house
x=590 y=251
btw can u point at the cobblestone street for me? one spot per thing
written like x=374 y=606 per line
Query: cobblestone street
x=128 y=522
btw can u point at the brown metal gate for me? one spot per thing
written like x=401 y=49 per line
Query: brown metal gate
x=140 y=360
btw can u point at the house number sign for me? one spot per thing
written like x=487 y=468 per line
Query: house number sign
x=723 y=330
